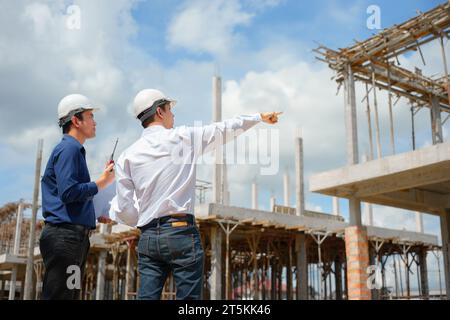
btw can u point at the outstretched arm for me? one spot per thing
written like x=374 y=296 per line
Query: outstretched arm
x=212 y=136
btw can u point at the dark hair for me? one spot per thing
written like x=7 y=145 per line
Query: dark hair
x=66 y=127
x=147 y=122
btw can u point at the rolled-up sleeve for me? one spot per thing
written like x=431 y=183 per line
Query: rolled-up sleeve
x=71 y=188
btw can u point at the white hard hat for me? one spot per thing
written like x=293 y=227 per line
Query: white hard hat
x=147 y=101
x=71 y=105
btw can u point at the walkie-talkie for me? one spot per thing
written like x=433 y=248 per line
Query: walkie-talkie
x=111 y=159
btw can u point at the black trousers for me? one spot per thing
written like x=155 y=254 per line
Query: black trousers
x=64 y=249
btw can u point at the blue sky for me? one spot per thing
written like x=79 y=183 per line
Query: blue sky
x=304 y=21
x=262 y=50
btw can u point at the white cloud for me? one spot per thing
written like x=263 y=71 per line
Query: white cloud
x=40 y=16
x=211 y=26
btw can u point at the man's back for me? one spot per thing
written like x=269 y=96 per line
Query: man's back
x=162 y=175
x=159 y=169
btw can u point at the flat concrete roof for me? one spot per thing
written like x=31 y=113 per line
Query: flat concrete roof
x=305 y=223
x=417 y=180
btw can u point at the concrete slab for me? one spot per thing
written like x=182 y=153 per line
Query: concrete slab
x=7 y=261
x=309 y=222
x=417 y=180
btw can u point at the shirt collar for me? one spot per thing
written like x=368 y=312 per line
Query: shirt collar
x=152 y=129
x=69 y=139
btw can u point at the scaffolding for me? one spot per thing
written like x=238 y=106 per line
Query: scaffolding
x=408 y=180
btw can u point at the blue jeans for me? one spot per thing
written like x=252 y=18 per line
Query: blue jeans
x=170 y=244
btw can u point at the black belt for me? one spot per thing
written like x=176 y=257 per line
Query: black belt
x=85 y=231
x=176 y=219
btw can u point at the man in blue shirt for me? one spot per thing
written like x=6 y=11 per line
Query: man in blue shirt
x=67 y=193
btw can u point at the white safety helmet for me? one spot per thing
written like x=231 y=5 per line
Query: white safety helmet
x=147 y=101
x=71 y=105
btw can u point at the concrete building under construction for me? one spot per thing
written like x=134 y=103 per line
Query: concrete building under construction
x=289 y=252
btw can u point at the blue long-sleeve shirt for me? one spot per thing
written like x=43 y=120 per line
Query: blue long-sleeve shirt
x=67 y=190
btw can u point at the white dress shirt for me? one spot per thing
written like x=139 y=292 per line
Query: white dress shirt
x=156 y=175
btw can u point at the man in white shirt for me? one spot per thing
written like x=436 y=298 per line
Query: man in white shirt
x=159 y=171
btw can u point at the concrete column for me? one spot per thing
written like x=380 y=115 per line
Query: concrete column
x=369 y=211
x=225 y=190
x=18 y=228
x=2 y=288
x=101 y=267
x=254 y=196
x=436 y=121
x=286 y=189
x=273 y=279
x=355 y=212
x=373 y=260
x=338 y=277
x=130 y=275
x=215 y=280
x=357 y=252
x=299 y=183
x=336 y=207
x=424 y=273
x=12 y=283
x=101 y=270
x=445 y=233
x=272 y=203
x=28 y=286
x=419 y=222
x=217 y=116
x=356 y=242
x=302 y=266
x=352 y=139
x=367 y=206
